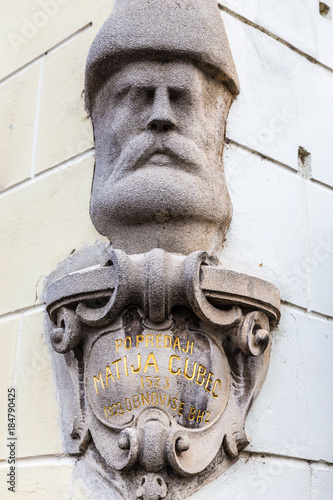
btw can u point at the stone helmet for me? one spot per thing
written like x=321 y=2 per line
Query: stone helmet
x=161 y=30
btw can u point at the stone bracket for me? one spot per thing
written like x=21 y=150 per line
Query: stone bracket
x=232 y=314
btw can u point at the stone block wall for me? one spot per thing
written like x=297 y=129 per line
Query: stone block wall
x=279 y=169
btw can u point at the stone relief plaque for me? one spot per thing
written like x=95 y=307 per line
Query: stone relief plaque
x=165 y=350
x=178 y=371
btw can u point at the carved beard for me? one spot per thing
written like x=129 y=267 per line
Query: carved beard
x=159 y=179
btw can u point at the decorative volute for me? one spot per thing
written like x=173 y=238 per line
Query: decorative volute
x=166 y=350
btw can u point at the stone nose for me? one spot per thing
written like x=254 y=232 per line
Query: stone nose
x=161 y=118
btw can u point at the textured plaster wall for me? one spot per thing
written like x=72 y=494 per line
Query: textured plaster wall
x=281 y=231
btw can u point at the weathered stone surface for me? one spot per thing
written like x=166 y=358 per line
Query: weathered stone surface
x=158 y=104
x=154 y=30
x=164 y=350
x=154 y=373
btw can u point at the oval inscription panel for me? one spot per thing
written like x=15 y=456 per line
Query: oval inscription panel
x=185 y=375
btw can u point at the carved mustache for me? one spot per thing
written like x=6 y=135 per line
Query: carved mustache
x=138 y=151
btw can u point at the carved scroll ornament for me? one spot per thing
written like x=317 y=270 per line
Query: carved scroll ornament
x=170 y=349
x=175 y=349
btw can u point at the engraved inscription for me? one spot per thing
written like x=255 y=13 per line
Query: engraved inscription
x=180 y=375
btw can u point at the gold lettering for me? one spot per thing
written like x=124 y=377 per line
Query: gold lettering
x=192 y=348
x=152 y=363
x=191 y=415
x=105 y=412
x=209 y=381
x=158 y=340
x=136 y=370
x=200 y=416
x=169 y=401
x=157 y=383
x=201 y=373
x=125 y=366
x=119 y=342
x=130 y=343
x=208 y=416
x=215 y=384
x=187 y=347
x=174 y=402
x=150 y=338
x=128 y=401
x=170 y=365
x=162 y=402
x=169 y=339
x=136 y=401
x=139 y=338
x=152 y=398
x=120 y=408
x=145 y=399
x=98 y=379
x=176 y=343
x=117 y=369
x=181 y=407
x=108 y=374
x=186 y=370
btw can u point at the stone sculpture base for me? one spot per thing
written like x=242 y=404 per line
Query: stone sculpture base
x=165 y=354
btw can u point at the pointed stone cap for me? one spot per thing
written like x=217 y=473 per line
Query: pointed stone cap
x=190 y=30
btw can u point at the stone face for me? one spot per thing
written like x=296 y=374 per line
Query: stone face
x=154 y=30
x=163 y=349
x=158 y=164
x=158 y=104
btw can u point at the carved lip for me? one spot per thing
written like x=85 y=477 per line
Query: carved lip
x=160 y=157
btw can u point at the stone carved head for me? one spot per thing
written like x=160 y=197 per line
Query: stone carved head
x=165 y=352
x=160 y=80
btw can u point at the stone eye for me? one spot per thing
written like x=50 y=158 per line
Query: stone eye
x=149 y=94
x=176 y=95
